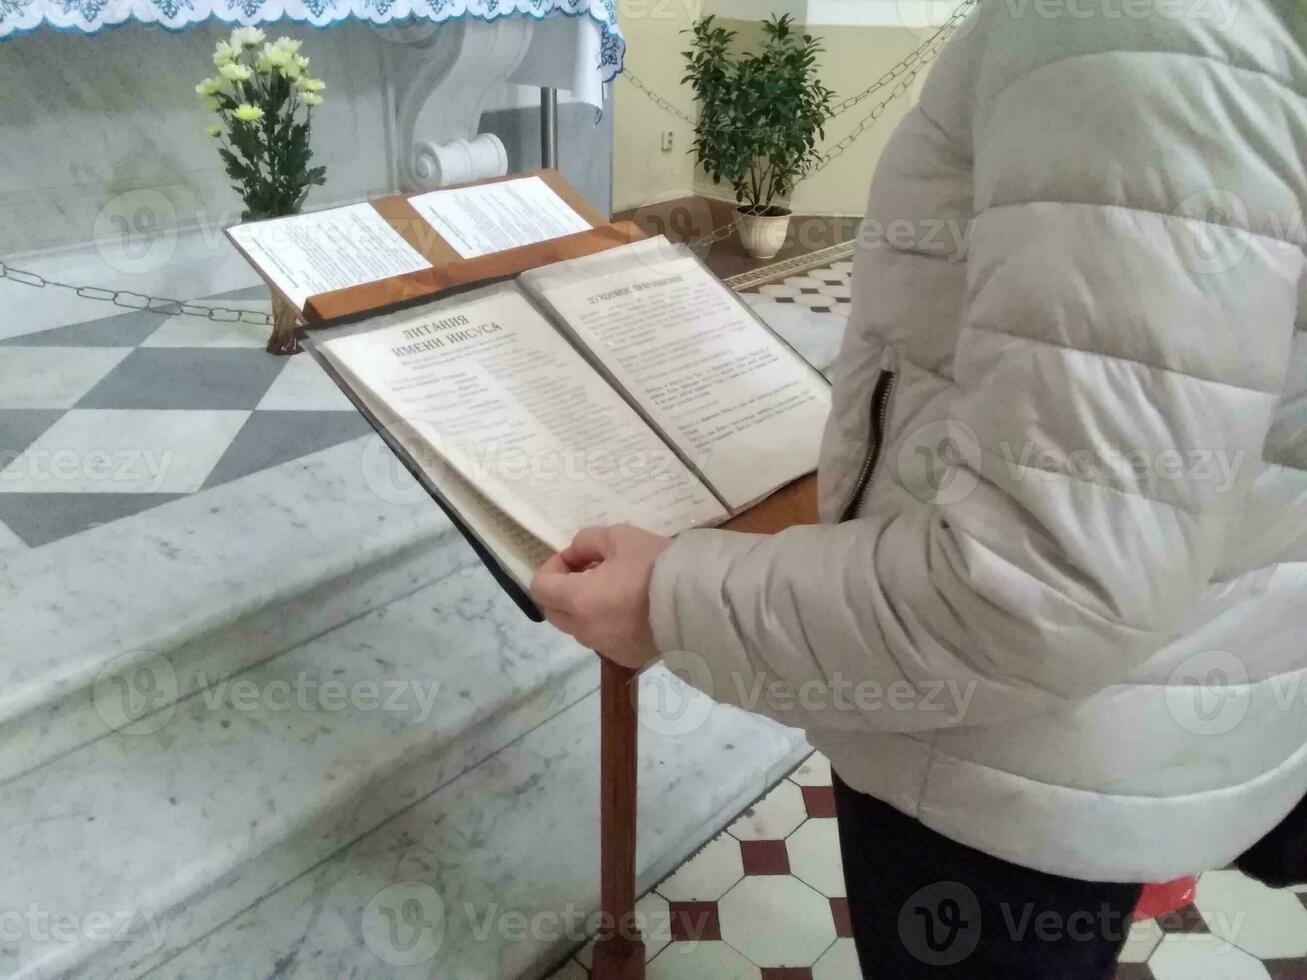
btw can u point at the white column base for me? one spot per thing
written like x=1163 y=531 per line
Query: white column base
x=442 y=83
x=459 y=161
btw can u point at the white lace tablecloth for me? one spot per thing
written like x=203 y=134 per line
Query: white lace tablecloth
x=594 y=43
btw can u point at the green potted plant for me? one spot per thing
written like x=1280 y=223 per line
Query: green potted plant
x=264 y=99
x=761 y=117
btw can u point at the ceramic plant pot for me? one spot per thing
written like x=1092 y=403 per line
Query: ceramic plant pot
x=763 y=230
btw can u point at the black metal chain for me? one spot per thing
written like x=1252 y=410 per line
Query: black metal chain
x=129 y=300
x=654 y=97
x=931 y=46
x=904 y=83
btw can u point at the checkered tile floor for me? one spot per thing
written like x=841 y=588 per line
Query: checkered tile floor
x=764 y=900
x=822 y=290
x=105 y=419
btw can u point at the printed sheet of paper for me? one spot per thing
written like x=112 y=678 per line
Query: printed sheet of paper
x=519 y=551
x=486 y=218
x=501 y=397
x=307 y=254
x=737 y=402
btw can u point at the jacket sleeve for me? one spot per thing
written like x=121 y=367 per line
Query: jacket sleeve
x=1132 y=282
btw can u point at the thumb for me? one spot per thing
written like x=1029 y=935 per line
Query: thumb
x=590 y=546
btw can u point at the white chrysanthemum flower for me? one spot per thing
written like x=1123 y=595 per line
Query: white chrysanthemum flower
x=235 y=72
x=210 y=86
x=291 y=71
x=213 y=105
x=311 y=99
x=215 y=130
x=300 y=60
x=248 y=113
x=224 y=54
x=307 y=84
x=274 y=57
x=247 y=37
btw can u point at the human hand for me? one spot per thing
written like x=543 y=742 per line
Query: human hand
x=597 y=590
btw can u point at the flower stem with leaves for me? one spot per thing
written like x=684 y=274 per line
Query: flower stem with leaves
x=258 y=94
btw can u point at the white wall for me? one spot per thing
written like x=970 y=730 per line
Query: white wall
x=643 y=172
x=90 y=119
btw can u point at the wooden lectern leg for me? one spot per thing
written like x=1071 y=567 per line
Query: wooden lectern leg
x=619 y=949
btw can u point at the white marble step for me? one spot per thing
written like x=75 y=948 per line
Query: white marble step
x=128 y=844
x=136 y=613
x=494 y=876
x=194 y=813
x=129 y=615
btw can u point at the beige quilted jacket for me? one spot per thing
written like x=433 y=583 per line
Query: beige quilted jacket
x=1058 y=610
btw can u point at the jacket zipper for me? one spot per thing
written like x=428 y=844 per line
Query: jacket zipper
x=880 y=396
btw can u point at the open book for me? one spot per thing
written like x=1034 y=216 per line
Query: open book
x=630 y=385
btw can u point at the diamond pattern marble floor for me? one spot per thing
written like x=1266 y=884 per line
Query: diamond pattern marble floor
x=104 y=419
x=108 y=418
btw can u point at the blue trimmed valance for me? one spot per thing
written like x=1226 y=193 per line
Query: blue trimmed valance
x=92 y=16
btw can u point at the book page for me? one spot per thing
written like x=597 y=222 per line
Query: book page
x=485 y=218
x=497 y=393
x=743 y=407
x=307 y=254
x=519 y=552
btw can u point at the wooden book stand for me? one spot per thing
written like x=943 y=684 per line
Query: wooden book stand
x=619 y=950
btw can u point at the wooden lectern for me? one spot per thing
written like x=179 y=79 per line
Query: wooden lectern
x=619 y=950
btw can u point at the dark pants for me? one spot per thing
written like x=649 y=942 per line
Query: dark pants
x=925 y=906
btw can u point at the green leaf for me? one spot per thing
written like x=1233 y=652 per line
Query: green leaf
x=762 y=115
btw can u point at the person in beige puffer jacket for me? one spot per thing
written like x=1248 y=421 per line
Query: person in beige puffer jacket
x=1051 y=633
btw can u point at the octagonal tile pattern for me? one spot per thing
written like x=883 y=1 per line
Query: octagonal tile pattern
x=764 y=900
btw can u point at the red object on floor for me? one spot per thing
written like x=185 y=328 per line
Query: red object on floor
x=1159 y=900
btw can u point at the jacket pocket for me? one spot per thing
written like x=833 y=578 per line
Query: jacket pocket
x=879 y=409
